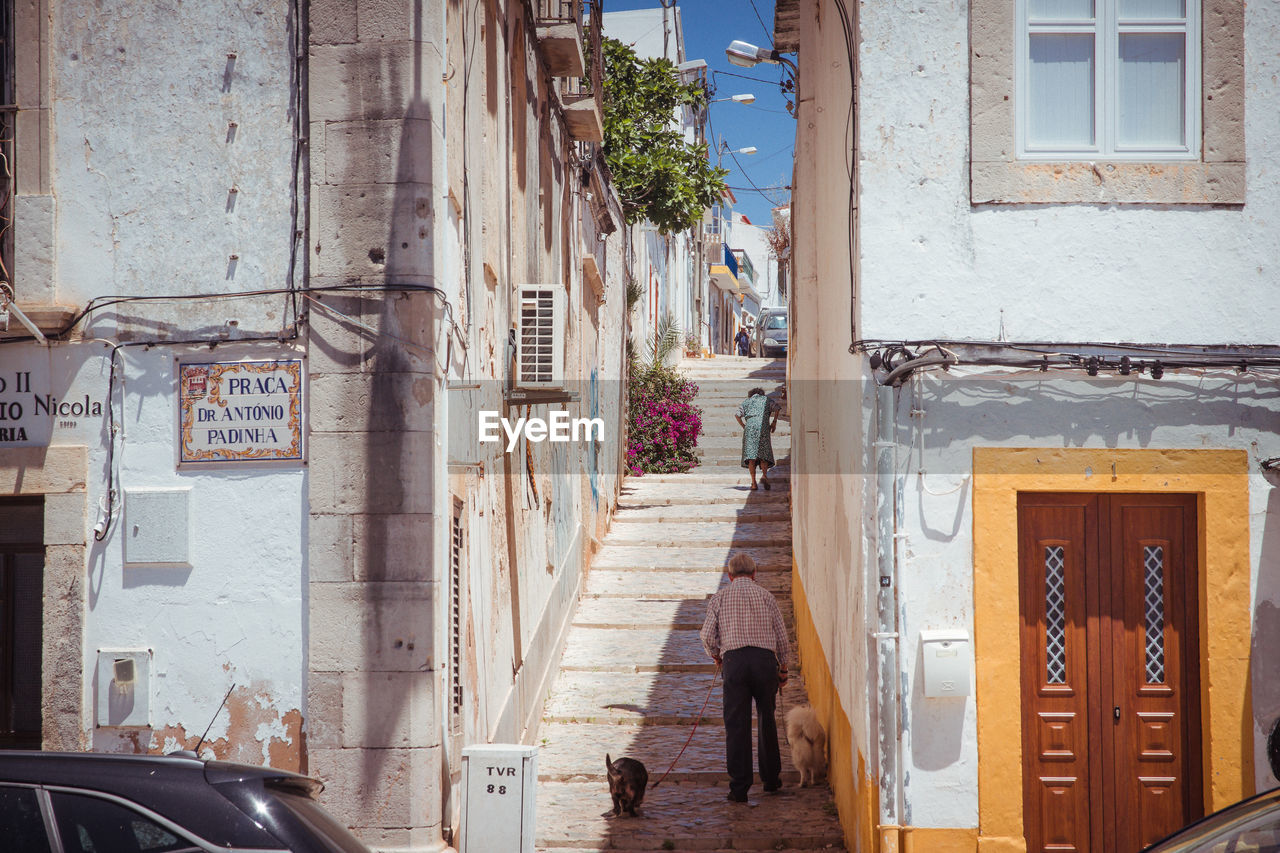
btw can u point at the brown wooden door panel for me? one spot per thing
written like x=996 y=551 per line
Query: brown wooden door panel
x=1064 y=814
x=1055 y=685
x=1153 y=664
x=1109 y=669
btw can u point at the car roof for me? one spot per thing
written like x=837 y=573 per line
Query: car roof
x=71 y=767
x=184 y=789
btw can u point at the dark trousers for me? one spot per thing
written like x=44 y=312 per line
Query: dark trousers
x=750 y=674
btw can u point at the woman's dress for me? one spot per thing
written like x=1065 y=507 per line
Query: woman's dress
x=756 y=445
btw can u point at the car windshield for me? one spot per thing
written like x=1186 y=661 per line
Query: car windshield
x=335 y=836
x=1249 y=827
x=778 y=321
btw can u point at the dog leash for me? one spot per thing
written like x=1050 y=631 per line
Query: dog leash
x=692 y=731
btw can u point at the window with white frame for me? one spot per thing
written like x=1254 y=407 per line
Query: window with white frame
x=1108 y=79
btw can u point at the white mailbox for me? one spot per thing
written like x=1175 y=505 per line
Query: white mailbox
x=948 y=661
x=499 y=784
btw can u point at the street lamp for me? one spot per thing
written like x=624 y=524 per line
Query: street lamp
x=738 y=99
x=725 y=149
x=746 y=55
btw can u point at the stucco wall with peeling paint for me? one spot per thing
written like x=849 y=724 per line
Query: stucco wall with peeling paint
x=170 y=161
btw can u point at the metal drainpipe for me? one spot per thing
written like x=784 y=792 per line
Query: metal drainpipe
x=894 y=835
x=886 y=635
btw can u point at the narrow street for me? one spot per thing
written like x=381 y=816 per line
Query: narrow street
x=634 y=675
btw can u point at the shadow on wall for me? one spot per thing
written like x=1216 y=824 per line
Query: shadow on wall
x=1072 y=412
x=374 y=468
x=1266 y=639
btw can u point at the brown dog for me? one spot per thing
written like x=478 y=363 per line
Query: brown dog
x=808 y=744
x=627 y=782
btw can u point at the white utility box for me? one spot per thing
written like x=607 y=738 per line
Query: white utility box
x=499 y=788
x=948 y=662
x=124 y=687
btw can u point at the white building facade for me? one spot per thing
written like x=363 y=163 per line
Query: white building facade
x=1033 y=375
x=275 y=291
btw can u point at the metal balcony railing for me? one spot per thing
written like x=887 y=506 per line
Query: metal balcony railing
x=559 y=11
x=730 y=260
x=587 y=14
x=747 y=268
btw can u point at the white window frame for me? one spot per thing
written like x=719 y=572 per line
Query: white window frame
x=1107 y=29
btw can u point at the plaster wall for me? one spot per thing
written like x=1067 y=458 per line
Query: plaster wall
x=231 y=614
x=172 y=152
x=751 y=239
x=227 y=614
x=649 y=32
x=147 y=125
x=830 y=400
x=955 y=413
x=935 y=266
x=519 y=215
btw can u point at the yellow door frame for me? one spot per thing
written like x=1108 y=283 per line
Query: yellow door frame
x=1220 y=479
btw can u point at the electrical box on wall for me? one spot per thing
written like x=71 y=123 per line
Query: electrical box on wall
x=157 y=526
x=124 y=687
x=948 y=662
x=499 y=785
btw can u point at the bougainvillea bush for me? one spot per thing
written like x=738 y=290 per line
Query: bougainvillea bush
x=664 y=424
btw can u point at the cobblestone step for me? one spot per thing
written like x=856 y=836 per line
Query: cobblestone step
x=634 y=650
x=703 y=533
x=704 y=485
x=674 y=555
x=657 y=584
x=634 y=677
x=710 y=513
x=643 y=699
x=592 y=649
x=577 y=848
x=686 y=817
x=664 y=495
x=729 y=450
x=669 y=614
x=574 y=752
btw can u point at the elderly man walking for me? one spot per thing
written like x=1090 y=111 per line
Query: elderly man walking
x=745 y=634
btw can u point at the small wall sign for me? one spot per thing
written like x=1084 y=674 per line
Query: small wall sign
x=240 y=411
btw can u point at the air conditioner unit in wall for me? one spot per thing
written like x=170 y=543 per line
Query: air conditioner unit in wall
x=540 y=337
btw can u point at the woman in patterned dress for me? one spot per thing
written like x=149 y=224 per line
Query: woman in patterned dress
x=754 y=412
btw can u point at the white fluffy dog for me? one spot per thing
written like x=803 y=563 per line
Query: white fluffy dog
x=808 y=744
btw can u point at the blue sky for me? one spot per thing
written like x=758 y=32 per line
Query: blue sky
x=709 y=26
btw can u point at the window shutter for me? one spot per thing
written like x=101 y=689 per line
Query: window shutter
x=540 y=340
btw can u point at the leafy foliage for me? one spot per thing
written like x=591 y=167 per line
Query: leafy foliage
x=635 y=290
x=663 y=342
x=663 y=422
x=659 y=176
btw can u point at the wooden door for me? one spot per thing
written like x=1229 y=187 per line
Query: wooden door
x=1109 y=669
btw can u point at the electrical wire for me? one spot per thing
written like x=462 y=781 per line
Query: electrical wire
x=116 y=358
x=768 y=33
x=98 y=303
x=851 y=137
x=299 y=236
x=715 y=73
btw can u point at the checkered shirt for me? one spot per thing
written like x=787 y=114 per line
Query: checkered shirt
x=744 y=614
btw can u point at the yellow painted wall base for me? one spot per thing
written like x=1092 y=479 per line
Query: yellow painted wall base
x=917 y=839
x=855 y=795
x=1001 y=844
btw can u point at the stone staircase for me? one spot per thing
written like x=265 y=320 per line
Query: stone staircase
x=634 y=676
